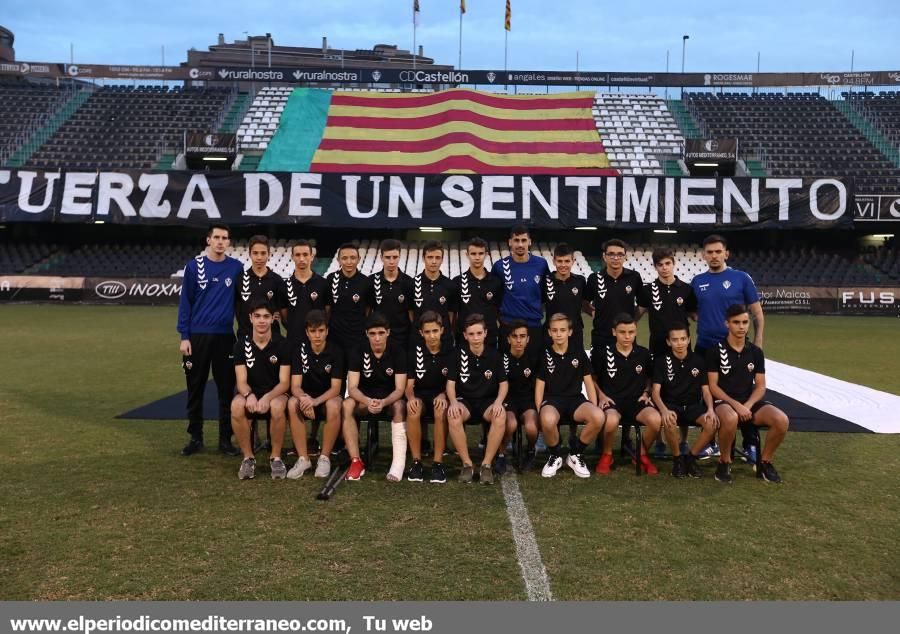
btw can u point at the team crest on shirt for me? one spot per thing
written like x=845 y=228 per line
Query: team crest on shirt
x=442 y=300
x=188 y=365
x=401 y=298
x=269 y=295
x=328 y=369
x=489 y=296
x=389 y=371
x=726 y=284
x=227 y=281
x=750 y=367
x=638 y=369
x=526 y=372
x=488 y=374
x=537 y=279
x=355 y=297
x=695 y=372
x=679 y=300
x=314 y=296
x=574 y=363
x=273 y=359
x=628 y=289
x=574 y=290
x=444 y=371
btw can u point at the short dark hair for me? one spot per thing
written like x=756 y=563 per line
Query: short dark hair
x=348 y=245
x=302 y=242
x=713 y=239
x=473 y=319
x=316 y=318
x=559 y=317
x=377 y=320
x=218 y=225
x=662 y=253
x=682 y=326
x=477 y=242
x=430 y=316
x=515 y=324
x=518 y=230
x=614 y=242
x=260 y=304
x=432 y=245
x=563 y=249
x=734 y=310
x=390 y=245
x=258 y=239
x=623 y=318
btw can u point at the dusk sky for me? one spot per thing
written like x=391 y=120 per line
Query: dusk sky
x=546 y=34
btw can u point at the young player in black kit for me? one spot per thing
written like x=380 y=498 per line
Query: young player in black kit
x=432 y=290
x=521 y=372
x=391 y=293
x=347 y=290
x=304 y=290
x=258 y=282
x=318 y=371
x=563 y=292
x=478 y=292
x=681 y=393
x=737 y=380
x=611 y=292
x=476 y=390
x=563 y=370
x=428 y=367
x=669 y=300
x=376 y=380
x=622 y=372
x=262 y=367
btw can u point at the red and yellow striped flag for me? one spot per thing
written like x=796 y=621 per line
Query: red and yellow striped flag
x=462 y=6
x=507 y=24
x=463 y=131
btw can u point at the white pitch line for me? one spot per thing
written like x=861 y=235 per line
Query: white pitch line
x=537 y=584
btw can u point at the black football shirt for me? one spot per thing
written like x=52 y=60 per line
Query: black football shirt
x=318 y=370
x=621 y=377
x=263 y=364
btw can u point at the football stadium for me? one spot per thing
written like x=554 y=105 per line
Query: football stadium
x=341 y=180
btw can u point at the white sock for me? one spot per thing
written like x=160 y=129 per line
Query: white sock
x=398 y=441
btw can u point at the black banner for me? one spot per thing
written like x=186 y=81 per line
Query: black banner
x=205 y=143
x=380 y=201
x=710 y=150
x=877 y=208
x=445 y=76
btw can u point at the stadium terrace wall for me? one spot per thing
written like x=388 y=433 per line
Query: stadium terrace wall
x=798 y=300
x=391 y=201
x=332 y=75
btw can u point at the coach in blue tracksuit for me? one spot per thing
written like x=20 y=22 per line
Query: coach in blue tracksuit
x=206 y=326
x=521 y=273
x=719 y=288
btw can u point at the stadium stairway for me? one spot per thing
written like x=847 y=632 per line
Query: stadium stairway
x=68 y=108
x=235 y=113
x=683 y=118
x=868 y=130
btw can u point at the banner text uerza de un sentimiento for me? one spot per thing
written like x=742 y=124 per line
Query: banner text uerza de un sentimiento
x=379 y=201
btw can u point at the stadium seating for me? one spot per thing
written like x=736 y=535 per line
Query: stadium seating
x=798 y=134
x=881 y=110
x=885 y=259
x=25 y=107
x=125 y=127
x=638 y=131
x=17 y=257
x=119 y=259
x=263 y=117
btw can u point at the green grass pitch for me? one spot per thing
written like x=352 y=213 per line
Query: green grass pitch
x=94 y=508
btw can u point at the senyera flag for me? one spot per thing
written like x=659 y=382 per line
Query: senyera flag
x=461 y=131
